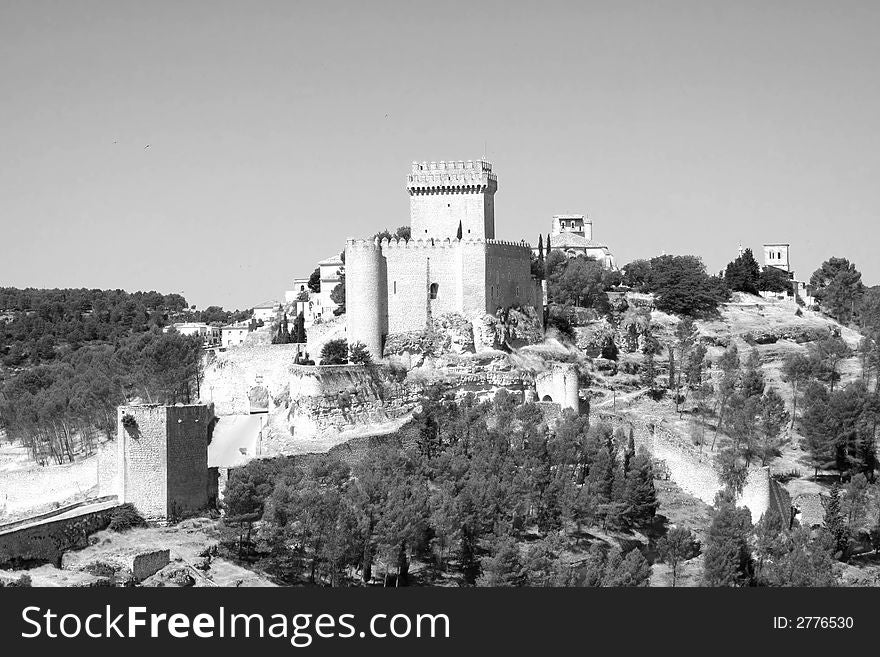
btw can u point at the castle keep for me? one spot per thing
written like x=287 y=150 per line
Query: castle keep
x=452 y=264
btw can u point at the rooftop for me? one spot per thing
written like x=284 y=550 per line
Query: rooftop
x=332 y=260
x=572 y=240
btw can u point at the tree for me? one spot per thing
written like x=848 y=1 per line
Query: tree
x=773 y=279
x=580 y=282
x=637 y=275
x=827 y=354
x=299 y=330
x=838 y=288
x=640 y=497
x=727 y=559
x=359 y=355
x=335 y=352
x=796 y=369
x=674 y=548
x=835 y=523
x=730 y=375
x=772 y=417
x=314 y=283
x=282 y=335
x=504 y=567
x=795 y=559
x=337 y=296
x=682 y=286
x=752 y=380
x=742 y=274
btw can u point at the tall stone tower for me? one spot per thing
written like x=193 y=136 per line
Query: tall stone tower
x=159 y=460
x=442 y=194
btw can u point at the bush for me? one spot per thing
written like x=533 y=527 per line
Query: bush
x=335 y=352
x=129 y=423
x=359 y=355
x=125 y=517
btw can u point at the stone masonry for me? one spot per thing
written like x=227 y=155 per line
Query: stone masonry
x=159 y=462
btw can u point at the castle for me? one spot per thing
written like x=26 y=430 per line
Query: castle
x=451 y=264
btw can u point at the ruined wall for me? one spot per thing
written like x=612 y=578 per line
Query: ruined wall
x=161 y=464
x=690 y=468
x=188 y=486
x=44 y=541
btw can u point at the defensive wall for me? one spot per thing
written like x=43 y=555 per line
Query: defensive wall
x=689 y=467
x=45 y=538
x=396 y=286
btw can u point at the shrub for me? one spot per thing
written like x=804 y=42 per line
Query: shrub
x=23 y=581
x=359 y=355
x=335 y=352
x=125 y=517
x=129 y=423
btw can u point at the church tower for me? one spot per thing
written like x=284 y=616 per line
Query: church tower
x=444 y=194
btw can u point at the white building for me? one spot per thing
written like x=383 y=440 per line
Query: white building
x=210 y=335
x=572 y=234
x=267 y=311
x=330 y=278
x=235 y=334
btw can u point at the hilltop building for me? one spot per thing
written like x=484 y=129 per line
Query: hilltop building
x=267 y=311
x=452 y=264
x=572 y=234
x=777 y=255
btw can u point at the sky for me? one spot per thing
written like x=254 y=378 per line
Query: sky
x=276 y=130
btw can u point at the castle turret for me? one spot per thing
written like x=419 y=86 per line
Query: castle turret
x=445 y=194
x=365 y=299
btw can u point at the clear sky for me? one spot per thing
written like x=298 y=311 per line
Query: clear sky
x=278 y=129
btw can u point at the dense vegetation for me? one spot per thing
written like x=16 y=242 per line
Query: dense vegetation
x=485 y=493
x=72 y=356
x=38 y=326
x=680 y=284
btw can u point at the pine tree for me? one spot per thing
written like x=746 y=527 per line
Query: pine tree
x=835 y=523
x=727 y=560
x=640 y=496
x=675 y=547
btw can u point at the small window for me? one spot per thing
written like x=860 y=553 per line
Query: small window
x=395 y=287
x=433 y=290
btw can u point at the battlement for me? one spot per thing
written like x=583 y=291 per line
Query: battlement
x=419 y=244
x=451 y=177
x=504 y=245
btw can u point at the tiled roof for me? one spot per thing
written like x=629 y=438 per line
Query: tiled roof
x=573 y=240
x=332 y=260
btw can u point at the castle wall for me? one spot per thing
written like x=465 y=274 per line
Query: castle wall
x=691 y=468
x=508 y=280
x=143 y=459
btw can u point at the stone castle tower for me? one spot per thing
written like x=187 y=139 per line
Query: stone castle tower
x=396 y=287
x=442 y=194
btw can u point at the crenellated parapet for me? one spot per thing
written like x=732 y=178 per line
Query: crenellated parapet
x=503 y=246
x=452 y=176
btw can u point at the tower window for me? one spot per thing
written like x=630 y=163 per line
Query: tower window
x=395 y=287
x=432 y=291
